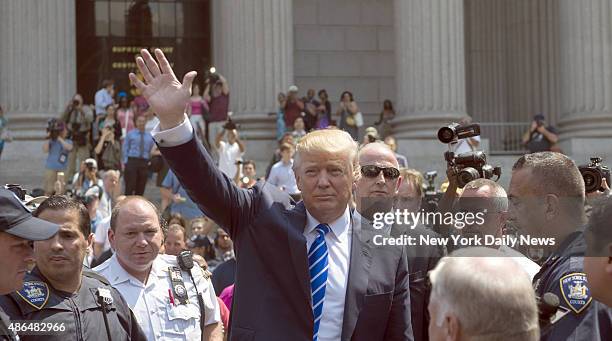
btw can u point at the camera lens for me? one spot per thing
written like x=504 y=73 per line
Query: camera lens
x=446 y=134
x=592 y=181
x=466 y=175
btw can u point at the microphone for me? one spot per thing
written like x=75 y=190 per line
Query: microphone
x=549 y=311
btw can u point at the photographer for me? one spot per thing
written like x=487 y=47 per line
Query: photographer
x=246 y=174
x=57 y=146
x=540 y=137
x=86 y=178
x=77 y=118
x=230 y=151
x=108 y=150
x=216 y=95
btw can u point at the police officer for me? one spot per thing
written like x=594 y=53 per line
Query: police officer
x=17 y=229
x=170 y=303
x=61 y=301
x=547 y=197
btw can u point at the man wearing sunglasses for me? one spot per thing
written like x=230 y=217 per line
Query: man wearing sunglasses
x=379 y=180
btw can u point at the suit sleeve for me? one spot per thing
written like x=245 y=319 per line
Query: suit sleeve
x=399 y=325
x=215 y=193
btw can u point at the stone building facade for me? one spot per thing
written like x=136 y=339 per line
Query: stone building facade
x=437 y=60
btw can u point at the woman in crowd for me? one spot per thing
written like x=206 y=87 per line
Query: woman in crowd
x=110 y=120
x=196 y=110
x=324 y=110
x=125 y=115
x=108 y=150
x=281 y=128
x=349 y=115
x=384 y=120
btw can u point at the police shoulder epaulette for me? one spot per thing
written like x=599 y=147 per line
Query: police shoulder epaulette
x=95 y=275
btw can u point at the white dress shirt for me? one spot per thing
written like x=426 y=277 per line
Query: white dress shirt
x=338 y=242
x=283 y=177
x=156 y=315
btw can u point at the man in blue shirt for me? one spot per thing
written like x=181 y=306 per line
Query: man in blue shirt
x=58 y=148
x=136 y=153
x=176 y=196
x=104 y=97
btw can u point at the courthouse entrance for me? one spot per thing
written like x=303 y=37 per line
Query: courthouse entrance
x=111 y=32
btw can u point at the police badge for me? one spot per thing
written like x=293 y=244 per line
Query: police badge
x=35 y=293
x=575 y=291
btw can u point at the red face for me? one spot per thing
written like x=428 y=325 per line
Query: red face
x=137 y=237
x=15 y=254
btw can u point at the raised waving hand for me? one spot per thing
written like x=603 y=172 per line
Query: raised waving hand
x=167 y=96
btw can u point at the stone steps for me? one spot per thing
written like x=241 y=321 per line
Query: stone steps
x=28 y=126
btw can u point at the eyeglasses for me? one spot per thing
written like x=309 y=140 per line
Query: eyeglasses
x=371 y=171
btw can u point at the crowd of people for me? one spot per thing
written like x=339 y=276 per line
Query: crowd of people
x=293 y=254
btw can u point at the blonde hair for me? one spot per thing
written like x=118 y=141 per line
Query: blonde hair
x=327 y=141
x=414 y=177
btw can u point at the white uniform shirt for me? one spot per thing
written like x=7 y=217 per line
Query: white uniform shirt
x=158 y=318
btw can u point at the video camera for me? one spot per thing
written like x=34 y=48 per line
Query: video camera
x=230 y=125
x=593 y=175
x=54 y=128
x=466 y=166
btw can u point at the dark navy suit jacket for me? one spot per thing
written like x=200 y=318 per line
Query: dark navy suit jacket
x=272 y=293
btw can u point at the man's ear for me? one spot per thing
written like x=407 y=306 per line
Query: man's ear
x=553 y=208
x=111 y=238
x=453 y=331
x=399 y=183
x=90 y=240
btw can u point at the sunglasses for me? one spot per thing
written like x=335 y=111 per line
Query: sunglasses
x=371 y=171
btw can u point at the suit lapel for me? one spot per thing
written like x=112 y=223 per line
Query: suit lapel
x=297 y=247
x=359 y=268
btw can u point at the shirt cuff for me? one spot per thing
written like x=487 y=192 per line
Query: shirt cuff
x=173 y=137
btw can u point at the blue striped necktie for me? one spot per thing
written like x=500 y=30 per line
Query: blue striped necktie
x=317 y=261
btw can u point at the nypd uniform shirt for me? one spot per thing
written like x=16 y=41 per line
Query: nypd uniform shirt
x=80 y=314
x=156 y=304
x=563 y=275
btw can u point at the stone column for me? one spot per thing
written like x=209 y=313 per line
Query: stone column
x=430 y=57
x=586 y=78
x=254 y=50
x=37 y=62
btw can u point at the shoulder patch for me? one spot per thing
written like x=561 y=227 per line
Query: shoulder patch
x=575 y=291
x=35 y=293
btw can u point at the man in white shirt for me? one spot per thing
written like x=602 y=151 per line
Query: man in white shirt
x=229 y=152
x=163 y=297
x=281 y=174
